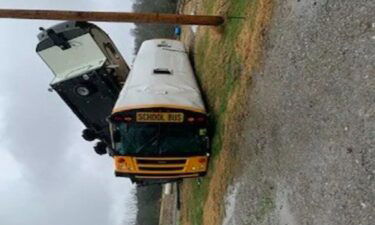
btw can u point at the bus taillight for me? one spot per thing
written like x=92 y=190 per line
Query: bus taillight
x=118 y=118
x=121 y=160
x=200 y=119
x=195 y=119
x=202 y=160
x=128 y=119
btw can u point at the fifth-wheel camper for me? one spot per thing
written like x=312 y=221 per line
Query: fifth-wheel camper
x=89 y=74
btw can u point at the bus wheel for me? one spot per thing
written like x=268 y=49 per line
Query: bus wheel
x=202 y=174
x=89 y=134
x=100 y=148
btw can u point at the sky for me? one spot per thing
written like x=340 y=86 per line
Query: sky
x=48 y=173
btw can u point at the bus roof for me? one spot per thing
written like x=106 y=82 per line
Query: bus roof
x=161 y=76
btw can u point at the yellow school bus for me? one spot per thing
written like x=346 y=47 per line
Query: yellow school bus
x=159 y=125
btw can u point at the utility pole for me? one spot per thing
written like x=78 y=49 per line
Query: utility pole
x=159 y=18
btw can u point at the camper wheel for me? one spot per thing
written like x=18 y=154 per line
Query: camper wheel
x=100 y=148
x=89 y=134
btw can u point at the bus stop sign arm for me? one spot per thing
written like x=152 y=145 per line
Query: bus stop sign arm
x=159 y=18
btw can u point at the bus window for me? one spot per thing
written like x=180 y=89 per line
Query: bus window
x=161 y=139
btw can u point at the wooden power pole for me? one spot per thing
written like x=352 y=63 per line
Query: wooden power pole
x=112 y=17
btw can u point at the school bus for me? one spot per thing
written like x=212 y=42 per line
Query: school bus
x=159 y=124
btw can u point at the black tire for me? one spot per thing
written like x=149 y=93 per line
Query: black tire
x=100 y=148
x=89 y=134
x=202 y=174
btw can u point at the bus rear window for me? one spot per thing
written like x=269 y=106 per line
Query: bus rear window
x=161 y=139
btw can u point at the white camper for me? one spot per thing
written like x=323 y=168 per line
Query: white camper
x=89 y=74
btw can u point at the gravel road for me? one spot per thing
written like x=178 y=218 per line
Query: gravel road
x=309 y=152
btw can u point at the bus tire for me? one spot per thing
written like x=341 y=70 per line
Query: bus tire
x=202 y=174
x=100 y=148
x=89 y=134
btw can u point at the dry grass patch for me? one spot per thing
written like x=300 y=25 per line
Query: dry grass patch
x=224 y=59
x=251 y=38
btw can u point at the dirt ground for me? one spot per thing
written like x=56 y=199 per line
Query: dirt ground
x=308 y=156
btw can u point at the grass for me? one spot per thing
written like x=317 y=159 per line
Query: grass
x=224 y=60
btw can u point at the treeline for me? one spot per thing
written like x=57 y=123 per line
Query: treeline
x=143 y=32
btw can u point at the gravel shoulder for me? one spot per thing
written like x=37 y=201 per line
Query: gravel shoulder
x=309 y=150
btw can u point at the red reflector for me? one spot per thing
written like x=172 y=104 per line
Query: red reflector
x=202 y=160
x=127 y=118
x=121 y=160
x=118 y=118
x=190 y=119
x=200 y=119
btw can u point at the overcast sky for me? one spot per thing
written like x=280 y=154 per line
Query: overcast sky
x=48 y=173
